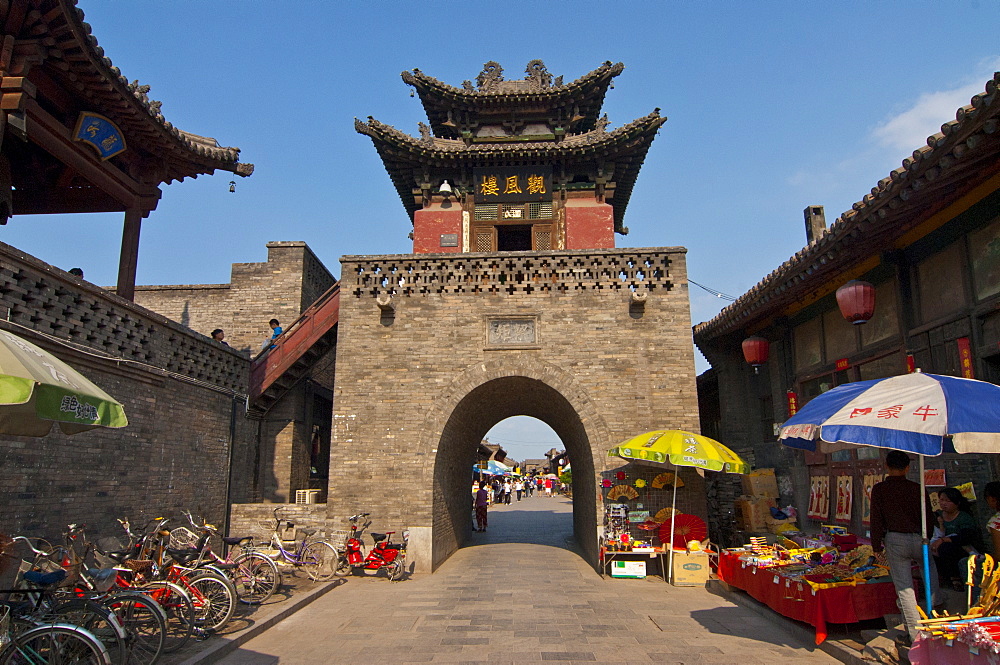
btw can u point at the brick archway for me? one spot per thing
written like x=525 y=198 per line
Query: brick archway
x=486 y=394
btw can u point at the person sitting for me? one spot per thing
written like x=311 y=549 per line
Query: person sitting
x=957 y=535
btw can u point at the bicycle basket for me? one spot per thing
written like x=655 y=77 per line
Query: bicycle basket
x=182 y=539
x=337 y=537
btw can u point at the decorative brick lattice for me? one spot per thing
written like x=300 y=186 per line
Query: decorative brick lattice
x=36 y=296
x=416 y=275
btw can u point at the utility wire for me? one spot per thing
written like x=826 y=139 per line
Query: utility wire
x=717 y=294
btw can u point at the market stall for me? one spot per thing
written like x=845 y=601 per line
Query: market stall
x=819 y=586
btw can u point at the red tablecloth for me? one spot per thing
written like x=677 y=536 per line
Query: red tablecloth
x=796 y=600
x=934 y=651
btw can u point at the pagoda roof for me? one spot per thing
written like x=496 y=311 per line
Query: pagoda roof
x=579 y=102
x=625 y=147
x=76 y=62
x=962 y=159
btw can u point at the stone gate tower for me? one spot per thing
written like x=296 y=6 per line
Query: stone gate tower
x=515 y=301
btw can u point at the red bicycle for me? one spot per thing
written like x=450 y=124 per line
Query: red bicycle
x=385 y=553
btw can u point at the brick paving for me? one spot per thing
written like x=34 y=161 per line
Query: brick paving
x=520 y=594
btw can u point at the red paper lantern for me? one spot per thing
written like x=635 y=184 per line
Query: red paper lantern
x=755 y=350
x=856 y=300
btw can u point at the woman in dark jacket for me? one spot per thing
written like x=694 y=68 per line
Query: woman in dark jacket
x=959 y=535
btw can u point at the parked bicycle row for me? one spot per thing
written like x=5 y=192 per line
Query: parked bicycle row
x=106 y=603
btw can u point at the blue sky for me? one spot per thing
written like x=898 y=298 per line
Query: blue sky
x=772 y=106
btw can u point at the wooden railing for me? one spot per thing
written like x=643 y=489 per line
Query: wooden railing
x=293 y=343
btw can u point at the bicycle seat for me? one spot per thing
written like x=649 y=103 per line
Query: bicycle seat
x=182 y=556
x=235 y=540
x=224 y=566
x=102 y=578
x=308 y=532
x=379 y=537
x=45 y=579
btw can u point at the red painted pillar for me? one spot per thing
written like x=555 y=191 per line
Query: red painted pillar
x=589 y=225
x=437 y=230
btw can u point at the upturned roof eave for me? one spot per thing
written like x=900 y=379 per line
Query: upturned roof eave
x=127 y=105
x=438 y=98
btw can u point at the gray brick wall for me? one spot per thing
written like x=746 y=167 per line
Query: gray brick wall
x=416 y=391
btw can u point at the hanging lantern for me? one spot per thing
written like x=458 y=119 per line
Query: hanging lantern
x=856 y=300
x=755 y=350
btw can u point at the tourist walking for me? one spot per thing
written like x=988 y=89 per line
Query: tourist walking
x=548 y=487
x=896 y=525
x=507 y=487
x=519 y=488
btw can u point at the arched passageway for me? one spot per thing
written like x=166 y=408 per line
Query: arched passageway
x=473 y=416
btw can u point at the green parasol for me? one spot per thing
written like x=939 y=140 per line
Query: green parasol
x=37 y=389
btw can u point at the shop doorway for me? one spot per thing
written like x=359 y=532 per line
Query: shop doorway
x=471 y=420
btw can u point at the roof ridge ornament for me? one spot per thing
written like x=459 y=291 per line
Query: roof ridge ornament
x=490 y=77
x=538 y=77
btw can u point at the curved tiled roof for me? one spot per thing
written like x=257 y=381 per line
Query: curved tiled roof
x=626 y=146
x=78 y=62
x=964 y=154
x=585 y=96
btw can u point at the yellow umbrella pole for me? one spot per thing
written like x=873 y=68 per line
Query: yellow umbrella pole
x=673 y=524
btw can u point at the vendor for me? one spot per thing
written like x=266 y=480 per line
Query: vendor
x=992 y=494
x=957 y=536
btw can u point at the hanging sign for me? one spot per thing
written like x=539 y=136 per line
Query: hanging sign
x=843 y=364
x=965 y=357
x=512 y=183
x=911 y=364
x=100 y=133
x=793 y=402
x=934 y=478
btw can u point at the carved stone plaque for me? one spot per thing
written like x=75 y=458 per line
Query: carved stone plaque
x=512 y=332
x=449 y=240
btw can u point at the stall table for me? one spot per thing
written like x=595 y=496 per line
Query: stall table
x=935 y=651
x=607 y=556
x=797 y=600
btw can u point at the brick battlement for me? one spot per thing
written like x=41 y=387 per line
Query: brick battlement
x=51 y=301
x=512 y=272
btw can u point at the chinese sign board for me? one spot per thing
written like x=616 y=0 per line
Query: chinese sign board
x=512 y=184
x=102 y=134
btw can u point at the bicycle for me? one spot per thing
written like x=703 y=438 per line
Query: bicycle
x=255 y=576
x=33 y=605
x=318 y=558
x=384 y=553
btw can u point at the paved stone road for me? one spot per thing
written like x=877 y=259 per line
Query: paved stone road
x=520 y=595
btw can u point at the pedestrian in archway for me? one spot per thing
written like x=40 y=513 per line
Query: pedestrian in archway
x=480 y=504
x=548 y=487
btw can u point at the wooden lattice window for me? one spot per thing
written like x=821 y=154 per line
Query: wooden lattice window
x=486 y=240
x=540 y=210
x=488 y=212
x=543 y=241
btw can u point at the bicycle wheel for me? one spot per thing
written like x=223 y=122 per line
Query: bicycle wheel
x=256 y=578
x=99 y=621
x=56 y=643
x=397 y=568
x=343 y=565
x=214 y=600
x=181 y=617
x=320 y=560
x=145 y=626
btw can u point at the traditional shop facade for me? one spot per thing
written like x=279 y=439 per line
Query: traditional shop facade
x=927 y=241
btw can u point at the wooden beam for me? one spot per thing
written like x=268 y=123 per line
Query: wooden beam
x=54 y=137
x=130 y=254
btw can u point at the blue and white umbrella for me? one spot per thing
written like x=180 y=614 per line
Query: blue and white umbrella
x=916 y=413
x=926 y=414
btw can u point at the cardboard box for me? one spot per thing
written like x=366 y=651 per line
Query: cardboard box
x=689 y=568
x=753 y=512
x=761 y=482
x=628 y=569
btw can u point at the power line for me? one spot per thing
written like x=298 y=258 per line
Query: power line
x=717 y=294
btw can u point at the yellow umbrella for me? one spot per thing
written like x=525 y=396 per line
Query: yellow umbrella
x=680 y=448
